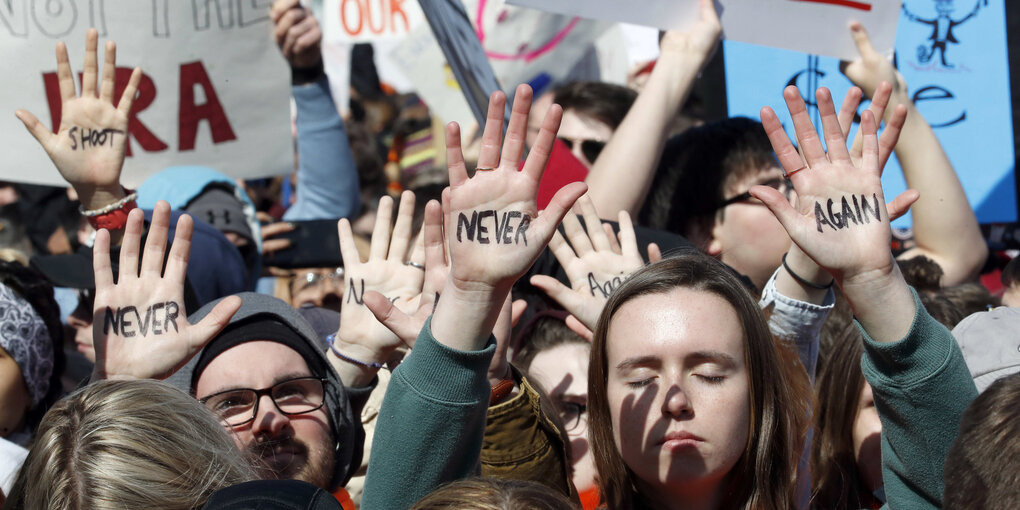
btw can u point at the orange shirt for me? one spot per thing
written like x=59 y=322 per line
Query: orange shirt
x=344 y=498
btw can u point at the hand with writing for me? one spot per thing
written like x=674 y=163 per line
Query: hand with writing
x=494 y=226
x=88 y=147
x=407 y=326
x=297 y=33
x=140 y=326
x=386 y=272
x=595 y=265
x=495 y=229
x=841 y=220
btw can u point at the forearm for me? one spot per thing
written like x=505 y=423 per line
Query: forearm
x=796 y=320
x=921 y=386
x=327 y=175
x=945 y=227
x=430 y=425
x=620 y=178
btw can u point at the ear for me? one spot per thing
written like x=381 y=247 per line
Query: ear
x=714 y=247
x=703 y=234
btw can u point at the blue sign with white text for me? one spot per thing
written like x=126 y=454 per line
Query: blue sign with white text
x=953 y=56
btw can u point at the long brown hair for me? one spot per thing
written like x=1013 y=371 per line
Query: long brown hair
x=763 y=477
x=836 y=483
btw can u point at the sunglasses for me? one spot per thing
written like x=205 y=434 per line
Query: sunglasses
x=590 y=148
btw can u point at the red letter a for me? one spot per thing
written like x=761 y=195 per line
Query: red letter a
x=190 y=114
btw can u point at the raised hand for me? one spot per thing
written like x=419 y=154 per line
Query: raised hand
x=595 y=264
x=140 y=326
x=841 y=221
x=361 y=337
x=297 y=33
x=407 y=326
x=495 y=229
x=88 y=147
x=494 y=226
x=871 y=69
x=879 y=104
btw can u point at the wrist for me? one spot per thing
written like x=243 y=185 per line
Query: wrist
x=97 y=197
x=306 y=75
x=801 y=268
x=358 y=353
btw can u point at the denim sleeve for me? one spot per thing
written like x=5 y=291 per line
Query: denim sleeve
x=327 y=176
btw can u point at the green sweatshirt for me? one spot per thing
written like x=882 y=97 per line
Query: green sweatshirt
x=921 y=386
x=439 y=394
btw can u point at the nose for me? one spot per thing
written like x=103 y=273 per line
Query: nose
x=676 y=403
x=77 y=322
x=269 y=421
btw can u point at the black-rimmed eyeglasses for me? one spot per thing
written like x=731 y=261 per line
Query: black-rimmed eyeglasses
x=780 y=184
x=572 y=413
x=294 y=396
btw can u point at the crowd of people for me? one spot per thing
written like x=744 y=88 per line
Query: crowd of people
x=699 y=314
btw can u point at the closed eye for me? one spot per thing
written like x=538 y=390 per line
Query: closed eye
x=640 y=384
x=711 y=379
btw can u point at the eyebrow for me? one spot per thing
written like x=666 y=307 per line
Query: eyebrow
x=279 y=379
x=637 y=361
x=699 y=356
x=714 y=356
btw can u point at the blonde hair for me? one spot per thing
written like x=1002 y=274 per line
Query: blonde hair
x=495 y=494
x=127 y=445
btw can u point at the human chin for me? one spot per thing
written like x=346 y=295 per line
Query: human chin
x=282 y=459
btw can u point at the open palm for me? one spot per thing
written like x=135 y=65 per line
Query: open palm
x=841 y=220
x=89 y=145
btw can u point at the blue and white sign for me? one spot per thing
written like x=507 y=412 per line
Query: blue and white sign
x=953 y=55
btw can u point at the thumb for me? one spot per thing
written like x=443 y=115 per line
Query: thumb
x=654 y=253
x=558 y=207
x=578 y=327
x=901 y=204
x=399 y=323
x=560 y=293
x=517 y=310
x=36 y=128
x=211 y=325
x=779 y=206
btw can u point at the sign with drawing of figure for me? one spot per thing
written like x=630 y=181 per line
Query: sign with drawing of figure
x=942 y=25
x=953 y=57
x=215 y=89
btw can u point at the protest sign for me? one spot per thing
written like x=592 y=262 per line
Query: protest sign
x=953 y=56
x=215 y=90
x=799 y=25
x=369 y=20
x=521 y=46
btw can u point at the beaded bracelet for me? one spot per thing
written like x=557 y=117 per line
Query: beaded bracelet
x=130 y=197
x=374 y=364
x=802 y=280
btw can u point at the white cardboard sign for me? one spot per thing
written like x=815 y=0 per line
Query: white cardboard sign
x=369 y=20
x=819 y=27
x=215 y=89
